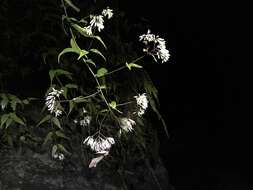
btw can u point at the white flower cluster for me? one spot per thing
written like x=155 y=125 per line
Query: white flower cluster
x=159 y=48
x=97 y=21
x=59 y=156
x=107 y=13
x=52 y=103
x=85 y=122
x=142 y=103
x=99 y=145
x=127 y=124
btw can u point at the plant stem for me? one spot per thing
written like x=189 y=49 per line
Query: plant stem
x=123 y=67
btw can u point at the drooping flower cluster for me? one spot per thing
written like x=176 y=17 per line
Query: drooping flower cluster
x=52 y=102
x=97 y=21
x=155 y=46
x=127 y=124
x=142 y=103
x=99 y=144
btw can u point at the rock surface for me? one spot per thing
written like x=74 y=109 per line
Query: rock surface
x=40 y=172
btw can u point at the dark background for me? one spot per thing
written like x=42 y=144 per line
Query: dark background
x=204 y=93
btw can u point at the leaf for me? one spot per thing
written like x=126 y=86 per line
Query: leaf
x=4 y=118
x=8 y=122
x=65 y=92
x=67 y=50
x=14 y=101
x=79 y=99
x=90 y=61
x=71 y=106
x=74 y=45
x=100 y=40
x=101 y=72
x=48 y=138
x=17 y=119
x=60 y=134
x=54 y=150
x=63 y=149
x=56 y=122
x=46 y=118
x=84 y=33
x=82 y=54
x=98 y=53
x=113 y=104
x=4 y=101
x=57 y=72
x=69 y=2
x=130 y=65
x=71 y=86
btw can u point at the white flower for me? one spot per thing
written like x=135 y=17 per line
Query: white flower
x=127 y=124
x=110 y=140
x=85 y=121
x=146 y=38
x=163 y=54
x=57 y=113
x=107 y=13
x=158 y=44
x=88 y=30
x=99 y=144
x=97 y=22
x=52 y=103
x=142 y=103
x=61 y=156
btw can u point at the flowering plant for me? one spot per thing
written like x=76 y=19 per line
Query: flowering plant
x=85 y=95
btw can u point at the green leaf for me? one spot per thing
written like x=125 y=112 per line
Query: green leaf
x=90 y=61
x=17 y=119
x=74 y=45
x=65 y=92
x=130 y=65
x=100 y=40
x=71 y=106
x=4 y=118
x=101 y=72
x=8 y=122
x=71 y=86
x=48 y=138
x=14 y=100
x=113 y=104
x=98 y=53
x=54 y=150
x=4 y=101
x=62 y=135
x=82 y=54
x=56 y=122
x=81 y=30
x=45 y=119
x=63 y=149
x=57 y=72
x=67 y=50
x=69 y=3
x=84 y=33
x=79 y=99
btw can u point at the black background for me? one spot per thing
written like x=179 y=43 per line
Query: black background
x=204 y=92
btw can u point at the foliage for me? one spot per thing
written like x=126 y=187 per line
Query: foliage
x=98 y=89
